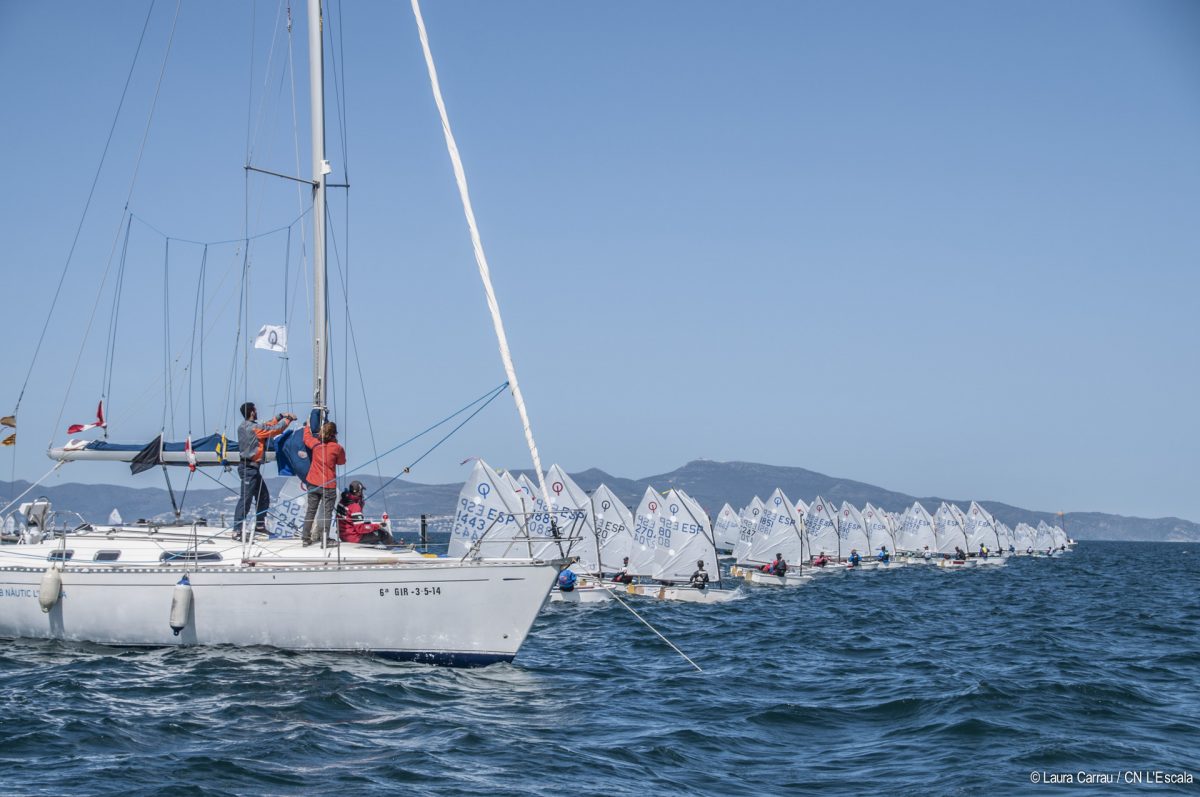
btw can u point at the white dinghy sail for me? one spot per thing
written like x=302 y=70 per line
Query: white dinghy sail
x=726 y=529
x=822 y=533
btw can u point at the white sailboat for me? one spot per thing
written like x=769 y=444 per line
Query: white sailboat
x=685 y=539
x=781 y=533
x=151 y=585
x=726 y=529
x=879 y=533
x=823 y=541
x=575 y=521
x=853 y=534
x=916 y=537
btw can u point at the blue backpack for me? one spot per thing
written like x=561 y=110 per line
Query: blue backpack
x=566 y=581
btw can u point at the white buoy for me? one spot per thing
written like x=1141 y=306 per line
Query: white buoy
x=181 y=605
x=51 y=588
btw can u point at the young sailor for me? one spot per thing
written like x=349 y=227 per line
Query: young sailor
x=928 y=554
x=884 y=556
x=855 y=559
x=624 y=577
x=780 y=566
x=699 y=578
x=821 y=560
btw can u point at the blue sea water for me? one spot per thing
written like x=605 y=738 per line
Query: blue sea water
x=913 y=681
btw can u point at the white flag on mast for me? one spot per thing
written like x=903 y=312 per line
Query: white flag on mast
x=272 y=337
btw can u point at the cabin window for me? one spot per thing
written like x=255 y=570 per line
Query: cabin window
x=60 y=556
x=107 y=556
x=189 y=556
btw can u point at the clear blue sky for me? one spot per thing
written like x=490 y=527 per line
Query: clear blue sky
x=947 y=248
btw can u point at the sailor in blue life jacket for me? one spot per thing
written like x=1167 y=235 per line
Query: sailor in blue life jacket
x=699 y=578
x=884 y=556
x=566 y=581
x=854 y=557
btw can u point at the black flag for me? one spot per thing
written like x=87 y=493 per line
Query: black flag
x=148 y=457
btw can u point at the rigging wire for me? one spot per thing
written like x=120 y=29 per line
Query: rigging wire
x=125 y=209
x=86 y=206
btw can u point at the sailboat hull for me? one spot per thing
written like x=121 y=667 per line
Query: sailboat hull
x=395 y=611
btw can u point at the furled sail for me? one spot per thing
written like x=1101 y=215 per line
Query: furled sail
x=213 y=449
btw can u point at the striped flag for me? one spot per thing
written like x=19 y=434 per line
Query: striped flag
x=98 y=424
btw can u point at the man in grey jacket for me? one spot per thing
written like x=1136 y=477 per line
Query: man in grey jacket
x=252 y=448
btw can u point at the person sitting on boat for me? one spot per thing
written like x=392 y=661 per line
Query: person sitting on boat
x=252 y=451
x=566 y=580
x=780 y=567
x=959 y=554
x=325 y=455
x=352 y=526
x=1029 y=551
x=699 y=578
x=1011 y=549
x=855 y=559
x=928 y=553
x=624 y=576
x=821 y=560
x=983 y=551
x=884 y=556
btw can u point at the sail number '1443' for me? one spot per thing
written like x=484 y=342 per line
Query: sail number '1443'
x=409 y=592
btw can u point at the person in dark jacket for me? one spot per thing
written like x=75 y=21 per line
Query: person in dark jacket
x=700 y=577
x=780 y=567
x=252 y=452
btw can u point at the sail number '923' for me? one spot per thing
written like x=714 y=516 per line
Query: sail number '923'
x=409 y=592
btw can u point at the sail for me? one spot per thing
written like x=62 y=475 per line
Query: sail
x=645 y=534
x=1045 y=536
x=948 y=530
x=684 y=538
x=778 y=532
x=286 y=516
x=1060 y=536
x=1024 y=537
x=916 y=530
x=613 y=523
x=765 y=535
x=747 y=525
x=709 y=555
x=488 y=517
x=822 y=534
x=541 y=522
x=981 y=529
x=878 y=530
x=726 y=528
x=572 y=512
x=852 y=531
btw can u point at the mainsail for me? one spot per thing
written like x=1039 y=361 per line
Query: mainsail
x=645 y=534
x=852 y=531
x=822 y=534
x=773 y=522
x=747 y=525
x=916 y=530
x=488 y=517
x=879 y=532
x=572 y=512
x=947 y=528
x=725 y=530
x=684 y=538
x=614 y=528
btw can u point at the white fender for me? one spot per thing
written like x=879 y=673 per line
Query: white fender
x=181 y=605
x=50 y=589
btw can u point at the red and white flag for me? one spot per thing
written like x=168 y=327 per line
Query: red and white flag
x=76 y=428
x=191 y=455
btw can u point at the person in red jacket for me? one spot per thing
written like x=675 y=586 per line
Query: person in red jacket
x=325 y=455
x=352 y=526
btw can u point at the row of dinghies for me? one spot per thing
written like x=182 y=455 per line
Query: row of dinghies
x=659 y=546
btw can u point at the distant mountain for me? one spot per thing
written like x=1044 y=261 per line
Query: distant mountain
x=711 y=483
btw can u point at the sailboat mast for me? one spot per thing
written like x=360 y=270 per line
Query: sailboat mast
x=316 y=81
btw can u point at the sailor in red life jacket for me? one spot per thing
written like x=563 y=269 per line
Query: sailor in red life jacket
x=326 y=454
x=352 y=526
